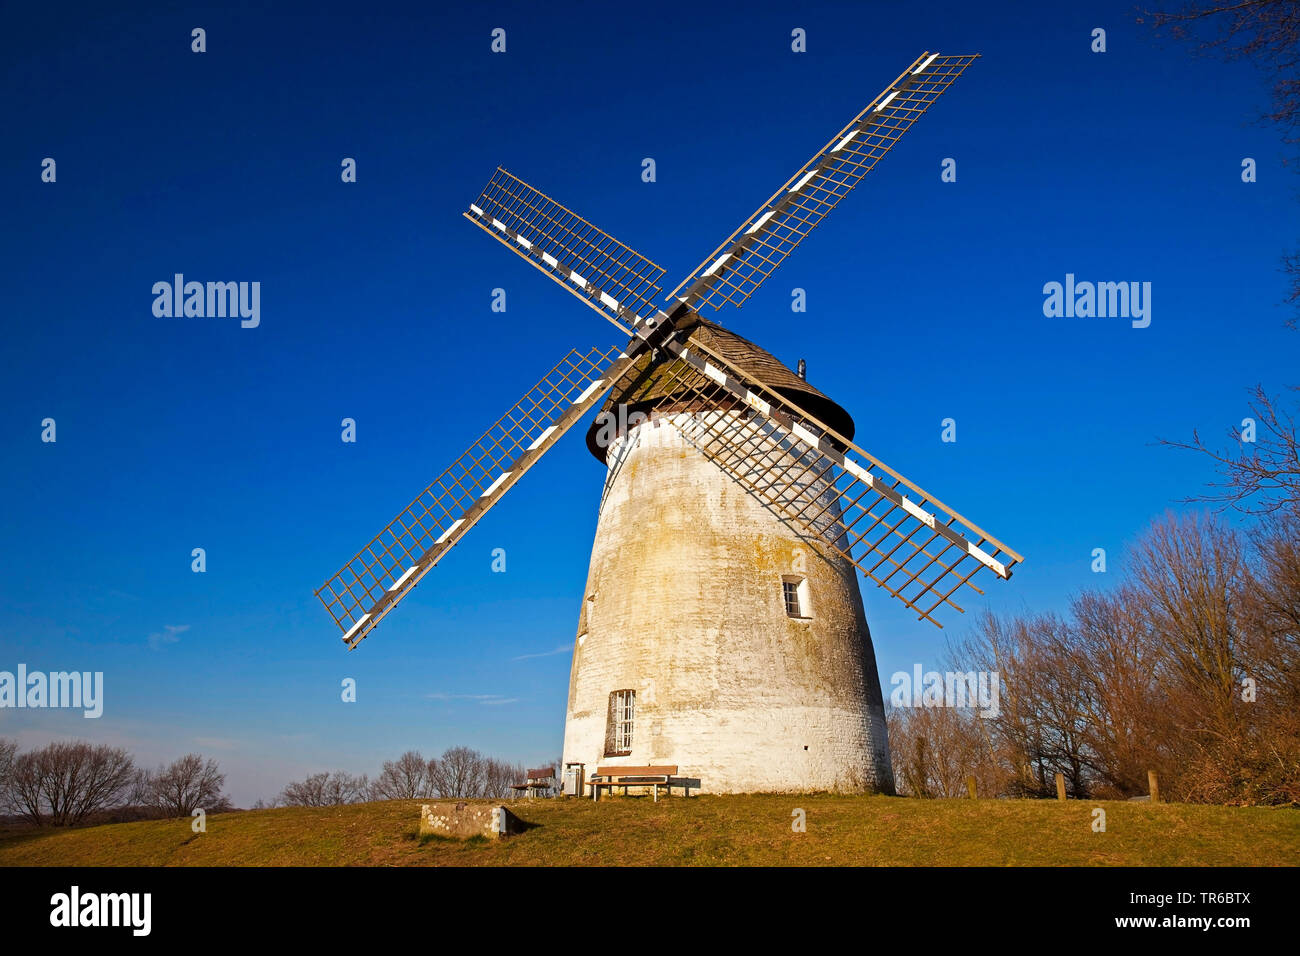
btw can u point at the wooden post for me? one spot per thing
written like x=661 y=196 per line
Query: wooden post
x=1153 y=785
x=970 y=786
x=1060 y=786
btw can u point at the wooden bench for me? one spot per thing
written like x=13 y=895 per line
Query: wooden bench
x=652 y=777
x=543 y=778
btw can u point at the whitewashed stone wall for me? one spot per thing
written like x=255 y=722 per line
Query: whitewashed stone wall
x=684 y=605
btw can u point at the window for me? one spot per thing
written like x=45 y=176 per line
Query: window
x=791 y=598
x=794 y=594
x=622 y=713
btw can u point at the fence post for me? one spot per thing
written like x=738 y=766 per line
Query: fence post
x=1060 y=786
x=1153 y=785
x=970 y=786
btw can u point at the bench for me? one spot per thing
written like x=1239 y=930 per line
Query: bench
x=652 y=777
x=543 y=778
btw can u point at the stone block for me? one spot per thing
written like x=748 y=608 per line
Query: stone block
x=459 y=819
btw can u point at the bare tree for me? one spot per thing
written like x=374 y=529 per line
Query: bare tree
x=326 y=790
x=458 y=773
x=64 y=782
x=26 y=781
x=1022 y=737
x=185 y=785
x=1187 y=572
x=1263 y=32
x=343 y=787
x=1190 y=667
x=305 y=793
x=405 y=778
x=1070 y=699
x=8 y=752
x=499 y=776
x=1116 y=663
x=1262 y=474
x=1218 y=605
x=935 y=749
x=1272 y=631
x=1268 y=768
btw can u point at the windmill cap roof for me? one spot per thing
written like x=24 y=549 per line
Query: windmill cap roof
x=652 y=388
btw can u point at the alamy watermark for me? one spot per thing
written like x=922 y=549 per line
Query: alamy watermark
x=614 y=423
x=210 y=300
x=132 y=911
x=73 y=689
x=949 y=689
x=1102 y=300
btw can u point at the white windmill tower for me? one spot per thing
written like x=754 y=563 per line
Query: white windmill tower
x=722 y=630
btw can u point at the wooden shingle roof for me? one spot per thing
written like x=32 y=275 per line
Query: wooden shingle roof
x=669 y=385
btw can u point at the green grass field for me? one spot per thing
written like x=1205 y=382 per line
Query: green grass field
x=700 y=831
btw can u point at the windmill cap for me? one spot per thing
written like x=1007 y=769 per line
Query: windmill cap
x=662 y=387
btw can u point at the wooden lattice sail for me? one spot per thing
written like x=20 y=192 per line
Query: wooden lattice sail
x=904 y=539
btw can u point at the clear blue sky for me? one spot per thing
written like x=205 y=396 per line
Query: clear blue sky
x=924 y=302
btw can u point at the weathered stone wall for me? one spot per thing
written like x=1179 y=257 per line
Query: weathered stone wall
x=684 y=605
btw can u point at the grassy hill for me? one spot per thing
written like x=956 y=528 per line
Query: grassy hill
x=706 y=830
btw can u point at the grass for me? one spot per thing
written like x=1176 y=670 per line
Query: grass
x=750 y=830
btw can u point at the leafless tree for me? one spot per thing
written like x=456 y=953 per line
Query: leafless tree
x=405 y=778
x=1116 y=664
x=499 y=776
x=343 y=788
x=1187 y=572
x=458 y=773
x=305 y=793
x=64 y=782
x=26 y=781
x=1189 y=667
x=1023 y=738
x=326 y=790
x=185 y=785
x=935 y=749
x=1263 y=32
x=1272 y=631
x=8 y=752
x=1269 y=759
x=1232 y=660
x=1259 y=476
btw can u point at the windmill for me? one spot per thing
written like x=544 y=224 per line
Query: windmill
x=722 y=628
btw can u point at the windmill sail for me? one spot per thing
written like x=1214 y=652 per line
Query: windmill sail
x=610 y=277
x=365 y=589
x=738 y=266
x=901 y=537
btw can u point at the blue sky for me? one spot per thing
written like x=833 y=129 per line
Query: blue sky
x=924 y=302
